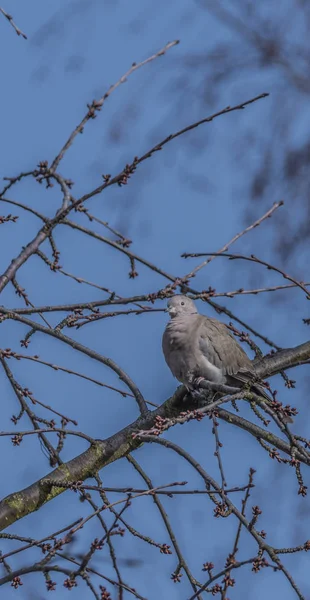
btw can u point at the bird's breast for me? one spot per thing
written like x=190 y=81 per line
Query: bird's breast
x=179 y=350
x=184 y=355
x=177 y=334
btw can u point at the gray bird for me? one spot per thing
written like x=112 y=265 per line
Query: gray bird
x=196 y=346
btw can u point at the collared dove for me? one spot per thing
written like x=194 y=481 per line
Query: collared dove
x=196 y=346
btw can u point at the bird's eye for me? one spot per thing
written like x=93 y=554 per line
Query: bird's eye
x=182 y=303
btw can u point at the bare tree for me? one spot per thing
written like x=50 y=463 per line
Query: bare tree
x=80 y=476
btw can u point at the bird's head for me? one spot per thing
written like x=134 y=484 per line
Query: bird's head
x=180 y=305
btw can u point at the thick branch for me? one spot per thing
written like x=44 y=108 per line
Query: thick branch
x=102 y=453
x=285 y=359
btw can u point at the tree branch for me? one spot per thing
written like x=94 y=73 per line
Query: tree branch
x=10 y=19
x=119 y=445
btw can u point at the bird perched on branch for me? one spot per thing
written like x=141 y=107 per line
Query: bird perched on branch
x=199 y=348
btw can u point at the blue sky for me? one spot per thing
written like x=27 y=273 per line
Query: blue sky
x=189 y=197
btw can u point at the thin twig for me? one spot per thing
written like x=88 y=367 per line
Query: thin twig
x=182 y=563
x=210 y=481
x=267 y=215
x=254 y=259
x=97 y=104
x=10 y=19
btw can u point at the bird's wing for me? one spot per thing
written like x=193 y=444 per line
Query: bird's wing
x=222 y=349
x=219 y=346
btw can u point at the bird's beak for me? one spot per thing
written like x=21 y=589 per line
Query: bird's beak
x=171 y=310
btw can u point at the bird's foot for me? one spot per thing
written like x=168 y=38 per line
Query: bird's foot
x=196 y=391
x=199 y=391
x=192 y=393
x=197 y=381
